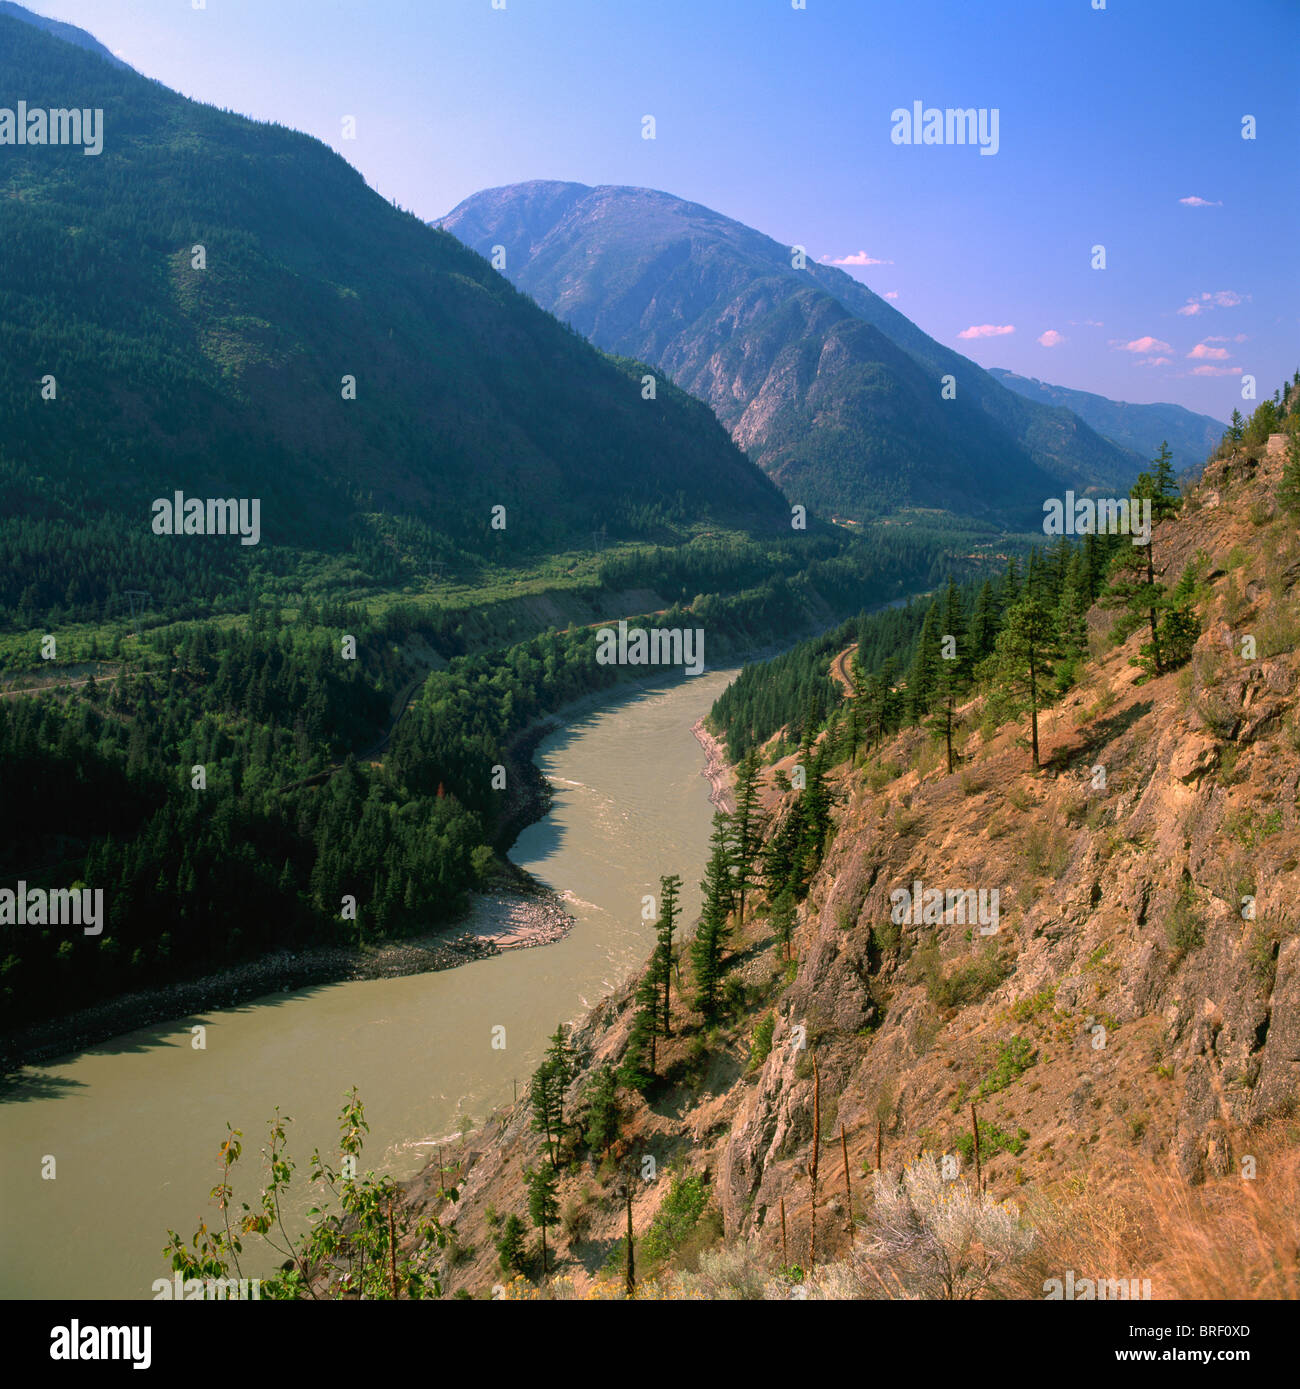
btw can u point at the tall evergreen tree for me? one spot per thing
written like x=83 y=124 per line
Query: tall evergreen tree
x=669 y=889
x=543 y=1204
x=710 y=936
x=747 y=824
x=1023 y=657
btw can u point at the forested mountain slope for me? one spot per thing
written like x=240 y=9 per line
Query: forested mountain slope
x=195 y=308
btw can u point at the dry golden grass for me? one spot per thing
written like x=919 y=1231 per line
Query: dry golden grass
x=1231 y=1237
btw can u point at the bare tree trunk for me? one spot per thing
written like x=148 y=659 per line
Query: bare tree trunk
x=812 y=1169
x=848 y=1189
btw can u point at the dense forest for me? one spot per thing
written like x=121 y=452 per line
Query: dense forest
x=226 y=783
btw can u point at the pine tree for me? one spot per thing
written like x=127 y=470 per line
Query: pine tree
x=542 y=1097
x=510 y=1245
x=1179 y=627
x=944 y=702
x=543 y=1205
x=783 y=914
x=1023 y=658
x=983 y=624
x=638 y=1068
x=747 y=828
x=602 y=1109
x=923 y=675
x=669 y=888
x=710 y=936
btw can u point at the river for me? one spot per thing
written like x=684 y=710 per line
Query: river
x=134 y=1125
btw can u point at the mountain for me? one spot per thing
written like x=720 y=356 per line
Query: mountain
x=1192 y=438
x=203 y=291
x=830 y=389
x=69 y=33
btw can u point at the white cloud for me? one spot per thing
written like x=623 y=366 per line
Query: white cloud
x=891 y=294
x=1197 y=202
x=859 y=258
x=1218 y=299
x=1146 y=344
x=1051 y=338
x=987 y=330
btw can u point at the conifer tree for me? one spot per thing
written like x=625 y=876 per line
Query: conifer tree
x=983 y=624
x=747 y=827
x=602 y=1109
x=1023 y=658
x=510 y=1245
x=669 y=888
x=638 y=1068
x=783 y=914
x=710 y=936
x=543 y=1204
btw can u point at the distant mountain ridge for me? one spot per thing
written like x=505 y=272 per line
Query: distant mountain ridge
x=1192 y=438
x=69 y=33
x=829 y=388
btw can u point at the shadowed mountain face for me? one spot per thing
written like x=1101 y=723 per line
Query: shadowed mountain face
x=1140 y=428
x=69 y=33
x=831 y=390
x=204 y=289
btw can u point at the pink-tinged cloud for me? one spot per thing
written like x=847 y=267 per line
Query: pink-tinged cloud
x=1216 y=371
x=1153 y=361
x=1147 y=344
x=891 y=294
x=1241 y=337
x=1214 y=354
x=1051 y=338
x=1219 y=299
x=1086 y=323
x=859 y=258
x=987 y=330
x=1197 y=202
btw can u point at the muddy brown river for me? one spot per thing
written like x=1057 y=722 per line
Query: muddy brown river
x=134 y=1125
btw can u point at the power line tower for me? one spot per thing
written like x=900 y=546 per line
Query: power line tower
x=144 y=597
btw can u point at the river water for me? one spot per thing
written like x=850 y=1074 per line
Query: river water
x=134 y=1125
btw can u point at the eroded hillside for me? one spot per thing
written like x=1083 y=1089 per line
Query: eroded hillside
x=1138 y=1001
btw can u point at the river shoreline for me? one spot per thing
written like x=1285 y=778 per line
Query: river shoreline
x=515 y=912
x=715 y=769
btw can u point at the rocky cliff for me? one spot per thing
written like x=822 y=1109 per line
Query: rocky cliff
x=1138 y=1001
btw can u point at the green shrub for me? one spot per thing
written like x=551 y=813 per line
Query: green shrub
x=992 y=1140
x=1014 y=1059
x=676 y=1217
x=760 y=1046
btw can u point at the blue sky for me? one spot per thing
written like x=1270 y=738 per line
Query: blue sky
x=1108 y=120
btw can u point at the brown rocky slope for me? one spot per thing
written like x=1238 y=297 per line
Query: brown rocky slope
x=1139 y=1002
